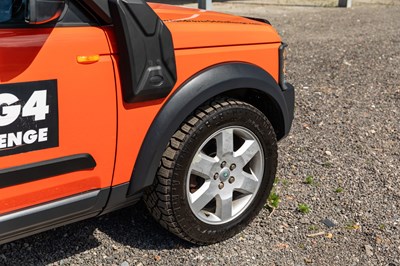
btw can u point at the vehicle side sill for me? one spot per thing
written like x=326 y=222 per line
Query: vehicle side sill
x=50 y=215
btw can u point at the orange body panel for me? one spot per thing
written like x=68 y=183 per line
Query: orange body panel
x=93 y=117
x=86 y=103
x=201 y=39
x=135 y=119
x=193 y=28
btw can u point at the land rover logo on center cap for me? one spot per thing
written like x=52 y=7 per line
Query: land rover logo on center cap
x=224 y=174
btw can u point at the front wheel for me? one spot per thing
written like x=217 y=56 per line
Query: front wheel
x=216 y=173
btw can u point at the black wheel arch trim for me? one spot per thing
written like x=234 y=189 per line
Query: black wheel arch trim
x=202 y=87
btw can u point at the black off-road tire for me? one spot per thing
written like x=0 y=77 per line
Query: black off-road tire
x=167 y=198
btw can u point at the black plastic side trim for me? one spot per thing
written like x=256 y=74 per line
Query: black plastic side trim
x=202 y=87
x=119 y=198
x=289 y=95
x=50 y=215
x=282 y=81
x=146 y=51
x=45 y=169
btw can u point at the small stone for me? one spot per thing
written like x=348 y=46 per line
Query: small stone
x=308 y=260
x=346 y=63
x=125 y=263
x=285 y=225
x=328 y=223
x=304 y=221
x=329 y=153
x=157 y=258
x=357 y=226
x=369 y=250
x=139 y=264
x=282 y=246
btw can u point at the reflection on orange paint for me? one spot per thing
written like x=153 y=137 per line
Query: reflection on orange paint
x=34 y=195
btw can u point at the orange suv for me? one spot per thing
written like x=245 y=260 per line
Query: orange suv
x=106 y=102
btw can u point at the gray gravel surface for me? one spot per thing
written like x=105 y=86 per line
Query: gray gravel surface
x=345 y=65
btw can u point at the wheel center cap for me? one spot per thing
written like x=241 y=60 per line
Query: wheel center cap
x=224 y=174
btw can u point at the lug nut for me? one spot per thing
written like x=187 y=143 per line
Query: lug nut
x=216 y=175
x=223 y=164
x=232 y=167
x=221 y=185
x=231 y=179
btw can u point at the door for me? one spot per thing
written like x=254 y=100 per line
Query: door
x=57 y=109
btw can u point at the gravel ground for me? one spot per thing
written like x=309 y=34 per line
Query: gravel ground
x=345 y=65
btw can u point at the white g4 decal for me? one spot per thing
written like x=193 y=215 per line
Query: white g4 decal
x=10 y=112
x=36 y=106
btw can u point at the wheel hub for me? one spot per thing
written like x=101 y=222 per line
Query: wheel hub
x=224 y=174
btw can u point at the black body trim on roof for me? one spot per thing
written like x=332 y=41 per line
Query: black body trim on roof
x=45 y=169
x=146 y=52
x=202 y=87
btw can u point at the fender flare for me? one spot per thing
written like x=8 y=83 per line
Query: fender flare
x=202 y=87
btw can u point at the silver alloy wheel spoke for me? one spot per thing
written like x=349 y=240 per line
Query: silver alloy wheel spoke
x=202 y=197
x=247 y=183
x=202 y=165
x=224 y=207
x=224 y=143
x=247 y=151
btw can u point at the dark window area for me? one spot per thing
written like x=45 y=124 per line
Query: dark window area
x=12 y=11
x=12 y=15
x=77 y=15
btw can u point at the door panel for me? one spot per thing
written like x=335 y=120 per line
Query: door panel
x=86 y=99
